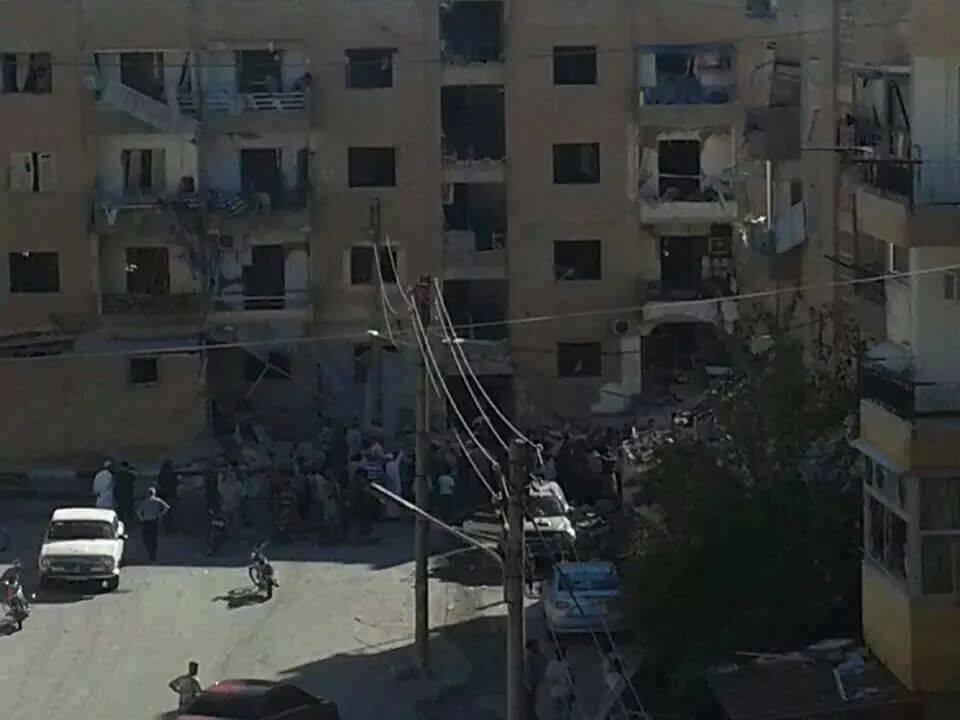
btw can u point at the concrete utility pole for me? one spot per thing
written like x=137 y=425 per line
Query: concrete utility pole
x=421 y=537
x=513 y=581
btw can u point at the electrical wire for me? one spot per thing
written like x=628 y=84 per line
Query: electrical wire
x=463 y=366
x=677 y=305
x=446 y=320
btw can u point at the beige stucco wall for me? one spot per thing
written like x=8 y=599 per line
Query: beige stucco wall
x=69 y=408
x=886 y=621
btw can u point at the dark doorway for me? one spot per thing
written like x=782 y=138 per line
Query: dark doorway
x=259 y=71
x=264 y=282
x=260 y=172
x=681 y=264
x=679 y=165
x=148 y=271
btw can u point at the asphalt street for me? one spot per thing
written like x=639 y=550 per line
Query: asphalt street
x=340 y=625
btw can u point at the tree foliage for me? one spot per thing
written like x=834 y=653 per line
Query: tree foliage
x=753 y=551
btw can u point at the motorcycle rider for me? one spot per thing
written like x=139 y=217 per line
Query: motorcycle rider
x=261 y=571
x=13 y=597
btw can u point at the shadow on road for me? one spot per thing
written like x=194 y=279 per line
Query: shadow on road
x=240 y=597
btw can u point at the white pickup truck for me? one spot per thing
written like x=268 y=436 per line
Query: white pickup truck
x=82 y=544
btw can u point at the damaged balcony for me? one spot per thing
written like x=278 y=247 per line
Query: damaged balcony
x=143 y=284
x=260 y=187
x=693 y=271
x=145 y=91
x=474 y=134
x=146 y=185
x=687 y=86
x=471 y=38
x=255 y=88
x=260 y=282
x=475 y=225
x=478 y=309
x=686 y=180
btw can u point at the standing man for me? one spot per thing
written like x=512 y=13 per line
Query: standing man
x=168 y=486
x=354 y=440
x=103 y=486
x=186 y=686
x=123 y=492
x=150 y=510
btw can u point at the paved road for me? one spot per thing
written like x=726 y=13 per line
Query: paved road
x=339 y=625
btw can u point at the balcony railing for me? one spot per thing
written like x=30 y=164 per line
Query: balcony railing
x=153 y=304
x=240 y=301
x=238 y=103
x=895 y=392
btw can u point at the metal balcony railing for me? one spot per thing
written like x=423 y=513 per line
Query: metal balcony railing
x=238 y=103
x=895 y=392
x=241 y=301
x=153 y=304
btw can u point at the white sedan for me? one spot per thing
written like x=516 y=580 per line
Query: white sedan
x=82 y=544
x=584 y=597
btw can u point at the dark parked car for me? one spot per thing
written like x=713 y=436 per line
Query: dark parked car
x=257 y=700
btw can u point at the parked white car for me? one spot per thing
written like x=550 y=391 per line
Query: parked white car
x=584 y=597
x=82 y=544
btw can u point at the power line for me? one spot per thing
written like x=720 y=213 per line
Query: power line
x=666 y=305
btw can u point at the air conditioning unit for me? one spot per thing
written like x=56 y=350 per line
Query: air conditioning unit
x=620 y=327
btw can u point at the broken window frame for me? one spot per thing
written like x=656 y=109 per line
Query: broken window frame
x=38 y=172
x=588 y=354
x=276 y=367
x=567 y=72
x=575 y=160
x=37 y=79
x=885 y=536
x=462 y=40
x=564 y=250
x=43 y=281
x=369 y=68
x=685 y=183
x=371 y=177
x=143 y=370
x=144 y=73
x=361 y=256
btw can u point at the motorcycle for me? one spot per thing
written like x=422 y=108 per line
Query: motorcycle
x=18 y=609
x=216 y=532
x=261 y=572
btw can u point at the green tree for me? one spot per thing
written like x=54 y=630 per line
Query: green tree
x=751 y=551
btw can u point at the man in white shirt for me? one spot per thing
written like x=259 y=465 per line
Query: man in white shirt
x=103 y=487
x=446 y=494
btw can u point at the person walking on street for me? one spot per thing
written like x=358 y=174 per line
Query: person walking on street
x=186 y=686
x=446 y=495
x=103 y=484
x=535 y=669
x=560 y=685
x=168 y=490
x=150 y=510
x=124 y=480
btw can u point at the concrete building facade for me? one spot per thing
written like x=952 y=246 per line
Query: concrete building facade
x=208 y=182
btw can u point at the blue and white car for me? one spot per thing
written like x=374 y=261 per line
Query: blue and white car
x=581 y=597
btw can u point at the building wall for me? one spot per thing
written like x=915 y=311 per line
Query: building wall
x=70 y=409
x=887 y=621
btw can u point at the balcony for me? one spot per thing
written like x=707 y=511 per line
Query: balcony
x=905 y=397
x=665 y=303
x=187 y=308
x=486 y=357
x=238 y=306
x=146 y=214
x=471 y=42
x=235 y=213
x=687 y=86
x=466 y=259
x=689 y=199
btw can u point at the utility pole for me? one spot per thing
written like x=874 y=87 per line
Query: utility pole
x=374 y=392
x=513 y=581
x=421 y=537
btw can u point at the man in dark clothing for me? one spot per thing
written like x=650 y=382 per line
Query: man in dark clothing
x=167 y=489
x=123 y=492
x=211 y=490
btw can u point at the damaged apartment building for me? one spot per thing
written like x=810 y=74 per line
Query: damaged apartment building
x=206 y=208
